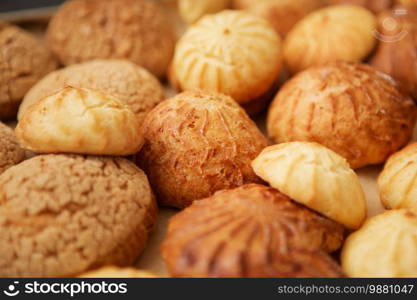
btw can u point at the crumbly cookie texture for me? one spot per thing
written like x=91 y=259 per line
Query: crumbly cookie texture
x=397 y=182
x=350 y=108
x=128 y=82
x=312 y=41
x=196 y=144
x=23 y=61
x=117 y=272
x=61 y=215
x=386 y=246
x=250 y=231
x=83 y=121
x=136 y=30
x=282 y=14
x=10 y=151
x=231 y=52
x=315 y=176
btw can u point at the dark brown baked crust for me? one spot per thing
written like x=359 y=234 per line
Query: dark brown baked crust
x=138 y=30
x=350 y=108
x=251 y=231
x=61 y=215
x=196 y=144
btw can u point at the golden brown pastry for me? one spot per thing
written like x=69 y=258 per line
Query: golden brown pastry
x=282 y=14
x=348 y=107
x=116 y=272
x=191 y=10
x=250 y=231
x=397 y=51
x=61 y=215
x=10 y=151
x=232 y=52
x=196 y=144
x=340 y=32
x=23 y=61
x=77 y=120
x=397 y=182
x=120 y=78
x=386 y=246
x=132 y=29
x=315 y=176
x=375 y=6
x=406 y=2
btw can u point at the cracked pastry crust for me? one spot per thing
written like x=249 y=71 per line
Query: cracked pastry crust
x=23 y=61
x=10 y=151
x=338 y=32
x=197 y=143
x=397 y=182
x=61 y=215
x=350 y=108
x=231 y=52
x=117 y=272
x=315 y=176
x=386 y=246
x=397 y=52
x=282 y=14
x=120 y=78
x=136 y=30
x=83 y=121
x=251 y=231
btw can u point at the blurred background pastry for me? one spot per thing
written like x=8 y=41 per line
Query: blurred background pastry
x=191 y=11
x=375 y=6
x=116 y=272
x=348 y=107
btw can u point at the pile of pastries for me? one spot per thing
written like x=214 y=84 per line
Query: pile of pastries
x=98 y=147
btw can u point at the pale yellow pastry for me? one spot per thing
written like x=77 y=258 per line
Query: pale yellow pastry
x=315 y=176
x=350 y=108
x=386 y=246
x=117 y=272
x=191 y=10
x=398 y=181
x=77 y=120
x=339 y=32
x=282 y=14
x=232 y=52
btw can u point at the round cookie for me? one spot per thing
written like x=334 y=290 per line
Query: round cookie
x=397 y=182
x=250 y=231
x=23 y=61
x=191 y=11
x=348 y=107
x=231 y=52
x=386 y=246
x=136 y=30
x=397 y=51
x=61 y=215
x=196 y=144
x=10 y=151
x=315 y=176
x=339 y=32
x=282 y=14
x=120 y=78
x=375 y=6
x=116 y=272
x=83 y=121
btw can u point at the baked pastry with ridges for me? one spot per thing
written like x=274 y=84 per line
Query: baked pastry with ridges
x=250 y=231
x=23 y=61
x=126 y=81
x=83 y=121
x=10 y=151
x=232 y=52
x=397 y=182
x=196 y=144
x=348 y=107
x=61 y=215
x=312 y=41
x=386 y=246
x=136 y=30
x=315 y=176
